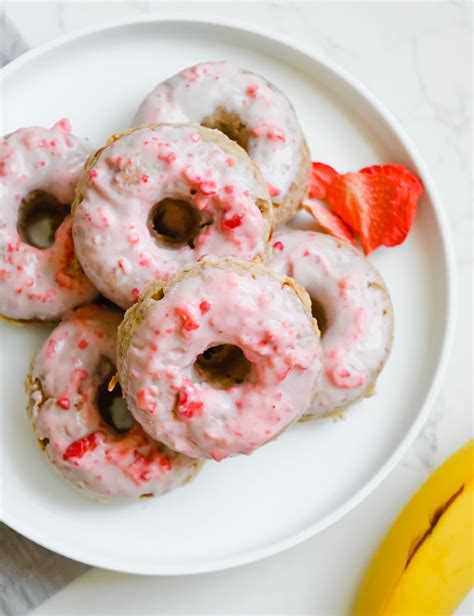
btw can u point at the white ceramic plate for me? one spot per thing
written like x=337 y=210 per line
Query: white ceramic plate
x=242 y=509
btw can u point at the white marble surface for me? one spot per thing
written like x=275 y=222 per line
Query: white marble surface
x=416 y=57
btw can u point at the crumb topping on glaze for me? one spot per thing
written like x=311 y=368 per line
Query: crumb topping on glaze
x=64 y=386
x=40 y=167
x=219 y=306
x=245 y=106
x=352 y=306
x=160 y=197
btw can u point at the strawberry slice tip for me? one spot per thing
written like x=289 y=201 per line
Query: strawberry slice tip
x=321 y=176
x=330 y=222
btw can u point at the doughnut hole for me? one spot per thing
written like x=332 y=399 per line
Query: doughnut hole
x=222 y=366
x=39 y=216
x=174 y=223
x=319 y=313
x=111 y=405
x=229 y=123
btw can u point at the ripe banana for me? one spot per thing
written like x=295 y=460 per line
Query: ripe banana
x=425 y=565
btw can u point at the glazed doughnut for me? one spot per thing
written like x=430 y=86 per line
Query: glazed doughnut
x=251 y=111
x=158 y=198
x=40 y=278
x=73 y=415
x=352 y=306
x=220 y=359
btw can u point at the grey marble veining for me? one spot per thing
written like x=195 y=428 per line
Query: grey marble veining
x=12 y=43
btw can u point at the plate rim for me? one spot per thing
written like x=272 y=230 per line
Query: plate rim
x=447 y=253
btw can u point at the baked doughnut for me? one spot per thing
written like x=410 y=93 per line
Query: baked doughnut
x=251 y=111
x=220 y=359
x=40 y=277
x=158 y=198
x=91 y=442
x=352 y=306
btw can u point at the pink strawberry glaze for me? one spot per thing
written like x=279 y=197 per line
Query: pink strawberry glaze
x=40 y=283
x=81 y=446
x=256 y=313
x=358 y=338
x=275 y=136
x=111 y=229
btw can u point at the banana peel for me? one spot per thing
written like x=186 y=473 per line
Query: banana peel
x=425 y=565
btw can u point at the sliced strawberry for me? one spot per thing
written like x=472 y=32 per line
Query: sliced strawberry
x=378 y=203
x=330 y=222
x=320 y=178
x=78 y=448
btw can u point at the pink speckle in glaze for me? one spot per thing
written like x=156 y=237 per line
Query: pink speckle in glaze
x=124 y=266
x=233 y=222
x=51 y=347
x=146 y=403
x=252 y=90
x=78 y=375
x=168 y=157
x=272 y=133
x=204 y=307
x=64 y=402
x=273 y=190
x=187 y=321
x=188 y=408
x=346 y=287
x=79 y=448
x=64 y=125
x=344 y=378
x=208 y=188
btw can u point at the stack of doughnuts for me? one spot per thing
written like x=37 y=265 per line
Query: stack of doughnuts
x=235 y=327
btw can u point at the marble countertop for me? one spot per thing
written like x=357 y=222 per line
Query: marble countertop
x=416 y=57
